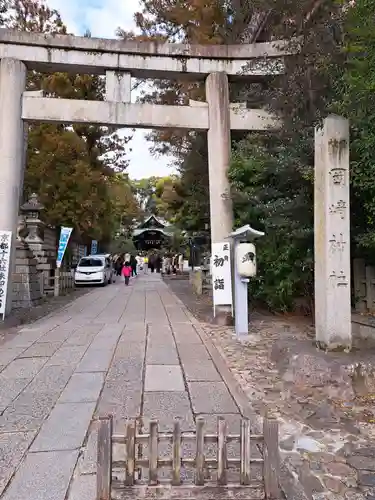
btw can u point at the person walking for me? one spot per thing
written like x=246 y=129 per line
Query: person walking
x=126 y=272
x=145 y=264
x=119 y=265
x=139 y=262
x=133 y=265
x=158 y=263
x=181 y=263
x=151 y=263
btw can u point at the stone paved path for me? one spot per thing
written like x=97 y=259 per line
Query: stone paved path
x=127 y=351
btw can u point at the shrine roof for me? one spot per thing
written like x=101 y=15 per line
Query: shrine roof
x=151 y=222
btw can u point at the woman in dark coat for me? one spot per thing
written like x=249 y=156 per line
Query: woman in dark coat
x=151 y=263
x=118 y=265
x=158 y=263
x=133 y=265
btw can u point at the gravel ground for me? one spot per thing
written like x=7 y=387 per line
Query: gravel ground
x=324 y=402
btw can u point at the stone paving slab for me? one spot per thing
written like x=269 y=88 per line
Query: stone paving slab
x=69 y=355
x=188 y=352
x=186 y=334
x=164 y=378
x=83 y=388
x=87 y=462
x=23 y=368
x=13 y=420
x=51 y=378
x=36 y=405
x=83 y=488
x=134 y=335
x=127 y=366
x=122 y=400
x=200 y=371
x=10 y=389
x=59 y=333
x=40 y=350
x=165 y=406
x=129 y=352
x=13 y=446
x=65 y=428
x=43 y=476
x=211 y=397
x=161 y=354
x=79 y=339
x=95 y=360
x=9 y=354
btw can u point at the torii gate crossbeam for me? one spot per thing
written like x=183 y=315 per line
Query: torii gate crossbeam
x=119 y=62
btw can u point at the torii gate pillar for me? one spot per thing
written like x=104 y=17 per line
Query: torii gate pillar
x=219 y=149
x=12 y=150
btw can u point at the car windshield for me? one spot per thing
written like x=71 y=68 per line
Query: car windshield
x=90 y=263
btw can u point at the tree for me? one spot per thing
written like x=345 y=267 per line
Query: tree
x=125 y=209
x=72 y=168
x=160 y=196
x=194 y=21
x=270 y=194
x=168 y=197
x=272 y=174
x=354 y=86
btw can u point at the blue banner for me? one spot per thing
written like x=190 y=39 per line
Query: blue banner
x=94 y=247
x=63 y=243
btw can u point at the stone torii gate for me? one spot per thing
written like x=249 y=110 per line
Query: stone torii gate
x=118 y=61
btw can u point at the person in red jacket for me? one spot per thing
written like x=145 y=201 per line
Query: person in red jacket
x=126 y=272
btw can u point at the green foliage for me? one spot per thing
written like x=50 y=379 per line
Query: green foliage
x=121 y=244
x=160 y=196
x=272 y=175
x=356 y=100
x=271 y=194
x=73 y=169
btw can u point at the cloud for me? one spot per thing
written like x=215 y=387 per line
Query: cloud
x=102 y=18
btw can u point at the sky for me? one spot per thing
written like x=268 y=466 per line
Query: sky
x=101 y=18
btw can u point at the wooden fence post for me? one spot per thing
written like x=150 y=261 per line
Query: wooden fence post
x=370 y=288
x=359 y=282
x=56 y=283
x=104 y=464
x=271 y=458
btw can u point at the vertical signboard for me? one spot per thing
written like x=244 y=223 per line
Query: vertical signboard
x=5 y=247
x=63 y=243
x=221 y=274
x=94 y=247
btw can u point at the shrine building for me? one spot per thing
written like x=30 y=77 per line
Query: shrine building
x=152 y=233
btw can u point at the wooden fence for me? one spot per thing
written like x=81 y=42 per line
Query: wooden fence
x=364 y=286
x=122 y=480
x=61 y=281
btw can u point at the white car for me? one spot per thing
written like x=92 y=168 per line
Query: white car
x=93 y=270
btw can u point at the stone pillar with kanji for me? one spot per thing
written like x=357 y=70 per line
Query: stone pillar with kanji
x=332 y=235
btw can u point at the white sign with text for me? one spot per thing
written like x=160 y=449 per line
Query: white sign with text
x=5 y=247
x=221 y=274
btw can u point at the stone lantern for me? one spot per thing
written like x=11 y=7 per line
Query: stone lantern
x=28 y=281
x=21 y=228
x=35 y=227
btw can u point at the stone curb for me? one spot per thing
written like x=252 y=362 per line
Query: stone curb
x=233 y=386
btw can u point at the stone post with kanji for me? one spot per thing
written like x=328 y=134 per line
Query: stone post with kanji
x=332 y=235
